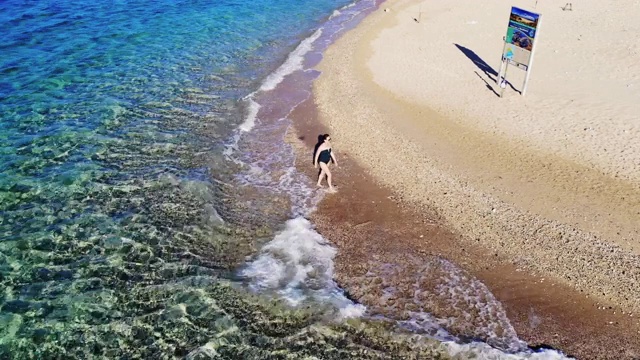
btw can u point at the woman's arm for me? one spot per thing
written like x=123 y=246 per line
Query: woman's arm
x=333 y=157
x=315 y=161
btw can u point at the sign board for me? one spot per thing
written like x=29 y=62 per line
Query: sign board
x=521 y=34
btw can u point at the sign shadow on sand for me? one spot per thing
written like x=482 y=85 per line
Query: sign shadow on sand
x=490 y=72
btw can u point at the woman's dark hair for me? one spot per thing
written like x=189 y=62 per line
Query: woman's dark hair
x=324 y=137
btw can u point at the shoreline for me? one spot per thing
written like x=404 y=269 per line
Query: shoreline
x=545 y=307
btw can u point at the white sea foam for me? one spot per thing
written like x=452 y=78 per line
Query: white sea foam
x=250 y=120
x=298 y=265
x=293 y=63
x=352 y=311
x=479 y=350
x=350 y=5
x=335 y=13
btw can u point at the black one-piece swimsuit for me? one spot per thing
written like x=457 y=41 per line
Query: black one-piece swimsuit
x=325 y=156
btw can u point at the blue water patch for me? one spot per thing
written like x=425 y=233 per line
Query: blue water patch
x=115 y=230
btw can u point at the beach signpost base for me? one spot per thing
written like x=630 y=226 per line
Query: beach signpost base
x=519 y=45
x=502 y=76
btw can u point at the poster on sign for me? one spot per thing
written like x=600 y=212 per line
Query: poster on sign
x=521 y=35
x=519 y=45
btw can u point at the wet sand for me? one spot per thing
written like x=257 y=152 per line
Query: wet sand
x=552 y=234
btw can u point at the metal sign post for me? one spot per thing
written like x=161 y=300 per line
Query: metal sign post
x=504 y=63
x=533 y=51
x=503 y=83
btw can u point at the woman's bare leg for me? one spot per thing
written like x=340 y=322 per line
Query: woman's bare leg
x=325 y=168
x=320 y=176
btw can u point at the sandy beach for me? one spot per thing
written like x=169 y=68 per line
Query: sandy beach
x=538 y=196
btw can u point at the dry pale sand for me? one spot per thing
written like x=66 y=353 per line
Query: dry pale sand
x=550 y=181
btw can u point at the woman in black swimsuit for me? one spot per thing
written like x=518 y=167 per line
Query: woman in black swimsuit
x=323 y=157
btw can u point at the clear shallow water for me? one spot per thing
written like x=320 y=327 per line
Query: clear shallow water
x=143 y=163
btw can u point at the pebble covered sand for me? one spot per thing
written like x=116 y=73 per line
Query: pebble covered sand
x=536 y=194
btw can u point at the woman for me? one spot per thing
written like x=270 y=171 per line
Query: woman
x=323 y=157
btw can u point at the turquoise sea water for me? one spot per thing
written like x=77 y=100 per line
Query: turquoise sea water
x=149 y=207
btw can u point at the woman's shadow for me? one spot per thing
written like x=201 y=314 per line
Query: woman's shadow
x=315 y=150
